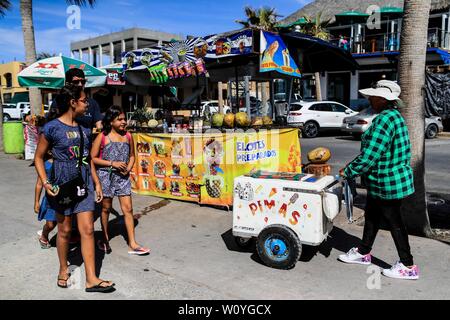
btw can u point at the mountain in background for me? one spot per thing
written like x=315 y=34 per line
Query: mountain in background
x=331 y=7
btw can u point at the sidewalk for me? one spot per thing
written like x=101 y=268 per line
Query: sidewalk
x=194 y=257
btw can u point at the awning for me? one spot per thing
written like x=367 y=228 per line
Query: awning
x=315 y=55
x=20 y=97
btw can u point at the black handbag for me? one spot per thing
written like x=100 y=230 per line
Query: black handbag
x=74 y=190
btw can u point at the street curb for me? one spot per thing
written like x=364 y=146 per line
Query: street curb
x=444 y=134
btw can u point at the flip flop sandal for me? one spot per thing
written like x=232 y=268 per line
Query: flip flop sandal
x=100 y=288
x=102 y=246
x=139 y=251
x=44 y=244
x=65 y=280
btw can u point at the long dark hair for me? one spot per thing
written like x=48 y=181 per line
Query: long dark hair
x=65 y=95
x=112 y=113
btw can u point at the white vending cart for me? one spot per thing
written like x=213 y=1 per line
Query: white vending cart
x=284 y=211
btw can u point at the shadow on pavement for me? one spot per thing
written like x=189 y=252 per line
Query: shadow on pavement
x=338 y=240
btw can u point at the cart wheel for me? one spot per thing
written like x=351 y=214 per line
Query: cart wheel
x=243 y=243
x=279 y=247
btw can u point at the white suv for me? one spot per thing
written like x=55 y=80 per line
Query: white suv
x=15 y=111
x=313 y=117
x=212 y=106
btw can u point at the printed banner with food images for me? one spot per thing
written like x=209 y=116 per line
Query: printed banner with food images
x=202 y=167
x=275 y=56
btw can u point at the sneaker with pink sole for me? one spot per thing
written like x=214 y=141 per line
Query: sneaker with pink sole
x=400 y=271
x=353 y=256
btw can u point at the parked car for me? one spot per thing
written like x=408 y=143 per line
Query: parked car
x=316 y=116
x=15 y=111
x=358 y=124
x=212 y=106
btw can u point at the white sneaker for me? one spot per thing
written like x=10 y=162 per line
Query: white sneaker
x=353 y=256
x=400 y=271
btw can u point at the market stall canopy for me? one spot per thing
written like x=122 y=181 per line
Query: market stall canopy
x=352 y=16
x=315 y=55
x=49 y=73
x=299 y=22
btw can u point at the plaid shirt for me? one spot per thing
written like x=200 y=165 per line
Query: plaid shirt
x=384 y=162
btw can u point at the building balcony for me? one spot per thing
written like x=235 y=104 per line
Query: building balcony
x=388 y=42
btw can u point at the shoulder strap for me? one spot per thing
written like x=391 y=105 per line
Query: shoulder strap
x=81 y=153
x=102 y=145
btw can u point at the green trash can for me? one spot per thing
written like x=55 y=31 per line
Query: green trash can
x=13 y=141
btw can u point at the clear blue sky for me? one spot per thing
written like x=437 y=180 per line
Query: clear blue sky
x=185 y=17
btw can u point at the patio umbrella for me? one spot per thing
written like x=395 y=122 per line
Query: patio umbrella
x=315 y=55
x=49 y=73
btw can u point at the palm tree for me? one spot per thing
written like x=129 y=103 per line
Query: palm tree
x=316 y=28
x=44 y=55
x=413 y=51
x=4 y=6
x=26 y=11
x=264 y=18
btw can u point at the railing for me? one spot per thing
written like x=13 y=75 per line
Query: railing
x=385 y=42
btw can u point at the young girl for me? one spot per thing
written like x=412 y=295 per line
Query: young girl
x=113 y=154
x=43 y=209
x=62 y=136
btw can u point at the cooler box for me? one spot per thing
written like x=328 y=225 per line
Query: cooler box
x=304 y=203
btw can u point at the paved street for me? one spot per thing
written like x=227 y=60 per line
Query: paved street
x=345 y=148
x=193 y=255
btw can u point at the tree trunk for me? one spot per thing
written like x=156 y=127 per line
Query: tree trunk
x=318 y=86
x=413 y=50
x=30 y=50
x=1 y=126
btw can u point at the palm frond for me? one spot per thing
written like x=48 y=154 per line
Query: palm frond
x=5 y=5
x=82 y=3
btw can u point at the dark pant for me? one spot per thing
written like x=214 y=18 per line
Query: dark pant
x=376 y=210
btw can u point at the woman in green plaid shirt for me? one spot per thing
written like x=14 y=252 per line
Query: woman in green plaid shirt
x=384 y=167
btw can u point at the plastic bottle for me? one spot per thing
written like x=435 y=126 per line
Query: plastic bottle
x=165 y=126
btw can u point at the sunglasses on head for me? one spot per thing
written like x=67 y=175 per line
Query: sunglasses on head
x=82 y=81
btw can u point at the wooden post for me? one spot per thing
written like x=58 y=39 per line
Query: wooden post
x=220 y=96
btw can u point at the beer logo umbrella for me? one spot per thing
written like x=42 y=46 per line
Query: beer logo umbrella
x=50 y=73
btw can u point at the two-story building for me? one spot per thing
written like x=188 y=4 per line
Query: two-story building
x=374 y=42
x=10 y=91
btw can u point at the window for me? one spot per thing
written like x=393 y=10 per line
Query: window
x=323 y=107
x=296 y=107
x=7 y=97
x=338 y=108
x=8 y=79
x=9 y=106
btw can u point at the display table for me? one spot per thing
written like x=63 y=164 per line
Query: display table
x=201 y=167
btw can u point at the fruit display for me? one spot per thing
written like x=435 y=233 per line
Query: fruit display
x=217 y=120
x=152 y=123
x=267 y=121
x=228 y=120
x=319 y=155
x=257 y=122
x=242 y=119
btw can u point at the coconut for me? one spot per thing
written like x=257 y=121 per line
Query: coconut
x=242 y=119
x=229 y=120
x=217 y=120
x=319 y=155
